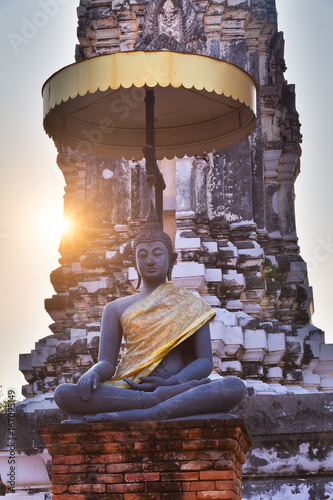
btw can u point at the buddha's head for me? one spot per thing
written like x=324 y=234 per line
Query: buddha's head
x=154 y=255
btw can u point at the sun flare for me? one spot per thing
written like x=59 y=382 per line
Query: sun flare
x=53 y=224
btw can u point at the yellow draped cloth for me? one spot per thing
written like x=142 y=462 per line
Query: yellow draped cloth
x=156 y=324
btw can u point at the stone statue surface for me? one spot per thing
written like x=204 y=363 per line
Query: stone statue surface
x=163 y=372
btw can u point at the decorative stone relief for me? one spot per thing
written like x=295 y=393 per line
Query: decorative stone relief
x=172 y=25
x=277 y=65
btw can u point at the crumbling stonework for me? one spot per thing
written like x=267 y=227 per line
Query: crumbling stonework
x=234 y=212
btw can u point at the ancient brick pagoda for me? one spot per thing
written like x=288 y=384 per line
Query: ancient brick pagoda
x=231 y=214
x=232 y=217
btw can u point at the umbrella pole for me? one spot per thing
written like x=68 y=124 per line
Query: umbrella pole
x=150 y=139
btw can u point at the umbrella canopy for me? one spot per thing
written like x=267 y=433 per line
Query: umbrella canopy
x=97 y=106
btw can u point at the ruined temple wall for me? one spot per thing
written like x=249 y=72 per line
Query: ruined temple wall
x=231 y=214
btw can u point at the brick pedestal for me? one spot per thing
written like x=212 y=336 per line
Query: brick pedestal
x=188 y=459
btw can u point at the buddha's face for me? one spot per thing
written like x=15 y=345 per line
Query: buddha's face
x=152 y=261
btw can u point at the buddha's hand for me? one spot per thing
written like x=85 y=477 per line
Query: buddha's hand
x=149 y=384
x=86 y=383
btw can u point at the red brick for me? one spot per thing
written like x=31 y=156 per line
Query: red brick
x=114 y=468
x=195 y=434
x=228 y=444
x=87 y=468
x=216 y=495
x=68 y=497
x=138 y=477
x=226 y=485
x=196 y=465
x=152 y=445
x=87 y=488
x=105 y=478
x=166 y=466
x=216 y=474
x=109 y=426
x=130 y=436
x=202 y=444
x=68 y=459
x=142 y=496
x=59 y=488
x=215 y=455
x=225 y=465
x=179 y=476
x=68 y=478
x=60 y=469
x=95 y=437
x=108 y=458
x=200 y=486
x=125 y=488
x=173 y=486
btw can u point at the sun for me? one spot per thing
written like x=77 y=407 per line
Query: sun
x=53 y=225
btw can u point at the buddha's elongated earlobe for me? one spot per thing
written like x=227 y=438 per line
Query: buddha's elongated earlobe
x=139 y=280
x=172 y=263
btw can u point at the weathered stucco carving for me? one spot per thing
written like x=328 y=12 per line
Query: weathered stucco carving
x=172 y=25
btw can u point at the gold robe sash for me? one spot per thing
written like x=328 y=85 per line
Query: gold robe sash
x=156 y=324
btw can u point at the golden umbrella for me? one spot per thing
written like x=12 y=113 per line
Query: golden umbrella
x=105 y=105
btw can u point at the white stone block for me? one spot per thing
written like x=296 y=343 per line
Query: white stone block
x=189 y=244
x=233 y=335
x=314 y=346
x=185 y=215
x=121 y=228
x=310 y=379
x=209 y=246
x=110 y=254
x=326 y=384
x=231 y=367
x=217 y=329
x=190 y=275
x=243 y=319
x=326 y=352
x=227 y=317
x=218 y=347
x=255 y=345
x=303 y=332
x=93 y=286
x=276 y=342
x=275 y=373
x=252 y=253
x=78 y=333
x=212 y=300
x=252 y=309
x=234 y=305
x=234 y=277
x=255 y=339
x=91 y=336
x=213 y=275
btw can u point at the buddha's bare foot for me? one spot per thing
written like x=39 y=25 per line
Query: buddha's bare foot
x=122 y=416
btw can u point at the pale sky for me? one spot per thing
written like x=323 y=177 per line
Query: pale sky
x=38 y=38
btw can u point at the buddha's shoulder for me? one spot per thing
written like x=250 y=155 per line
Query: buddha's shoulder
x=118 y=306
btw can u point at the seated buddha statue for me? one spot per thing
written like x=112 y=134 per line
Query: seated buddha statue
x=163 y=373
